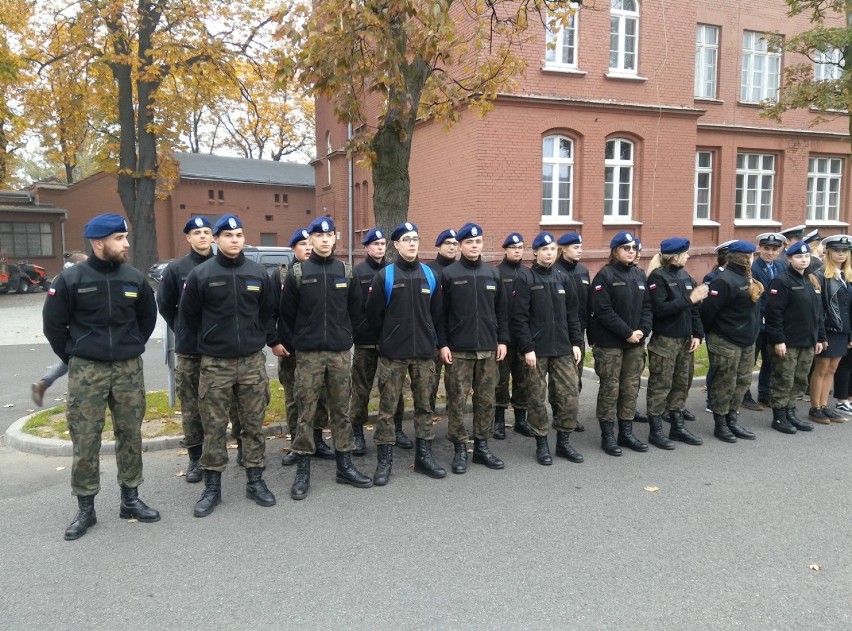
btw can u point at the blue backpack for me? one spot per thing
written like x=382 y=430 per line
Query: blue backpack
x=389 y=272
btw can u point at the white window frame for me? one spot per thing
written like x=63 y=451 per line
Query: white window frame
x=828 y=65
x=563 y=40
x=328 y=152
x=614 y=201
x=707 y=188
x=825 y=175
x=706 y=60
x=753 y=201
x=760 y=78
x=619 y=20
x=550 y=205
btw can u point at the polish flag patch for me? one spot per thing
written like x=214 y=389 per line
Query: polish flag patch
x=773 y=291
x=370 y=290
x=713 y=292
x=598 y=287
x=652 y=286
x=51 y=291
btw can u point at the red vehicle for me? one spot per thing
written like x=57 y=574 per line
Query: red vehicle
x=21 y=277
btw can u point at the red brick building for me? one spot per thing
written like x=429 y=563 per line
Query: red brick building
x=32 y=232
x=645 y=117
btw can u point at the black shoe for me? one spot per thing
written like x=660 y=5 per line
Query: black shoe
x=580 y=427
x=656 y=436
x=194 y=472
x=348 y=474
x=833 y=416
x=750 y=404
x=424 y=462
x=289 y=459
x=37 y=391
x=459 y=464
x=360 y=447
x=385 y=463
x=627 y=439
x=402 y=441
x=302 y=483
x=542 y=451
x=521 y=425
x=780 y=422
x=639 y=418
x=564 y=449
x=134 y=508
x=321 y=448
x=608 y=442
x=256 y=488
x=817 y=416
x=795 y=421
x=687 y=415
x=239 y=452
x=212 y=495
x=482 y=455
x=722 y=431
x=736 y=429
x=499 y=423
x=84 y=519
x=680 y=433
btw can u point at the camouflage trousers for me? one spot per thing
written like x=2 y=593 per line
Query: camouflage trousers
x=670 y=367
x=223 y=383
x=436 y=381
x=620 y=374
x=551 y=396
x=513 y=369
x=477 y=371
x=562 y=372
x=187 y=373
x=365 y=361
x=287 y=377
x=731 y=366
x=92 y=387
x=789 y=376
x=318 y=372
x=392 y=373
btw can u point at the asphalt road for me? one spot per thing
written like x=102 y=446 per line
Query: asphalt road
x=728 y=541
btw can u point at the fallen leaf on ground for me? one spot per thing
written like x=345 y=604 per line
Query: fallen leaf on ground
x=652 y=489
x=132 y=520
x=815 y=567
x=60 y=468
x=182 y=452
x=181 y=474
x=9 y=405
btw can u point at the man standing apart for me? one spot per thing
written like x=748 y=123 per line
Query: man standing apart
x=230 y=302
x=97 y=317
x=473 y=332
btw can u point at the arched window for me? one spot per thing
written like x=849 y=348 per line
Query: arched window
x=623 y=36
x=618 y=179
x=557 y=178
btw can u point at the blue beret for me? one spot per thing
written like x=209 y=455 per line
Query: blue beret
x=675 y=245
x=104 y=225
x=741 y=247
x=373 y=235
x=195 y=223
x=543 y=238
x=514 y=238
x=812 y=236
x=449 y=233
x=227 y=222
x=773 y=239
x=622 y=238
x=321 y=224
x=838 y=242
x=800 y=247
x=638 y=244
x=469 y=231
x=401 y=229
x=569 y=238
x=300 y=235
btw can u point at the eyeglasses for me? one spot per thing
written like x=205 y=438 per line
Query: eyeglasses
x=451 y=243
x=514 y=247
x=410 y=239
x=629 y=248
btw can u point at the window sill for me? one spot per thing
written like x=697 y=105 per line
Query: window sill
x=707 y=99
x=828 y=223
x=705 y=223
x=620 y=221
x=563 y=70
x=757 y=223
x=624 y=77
x=559 y=221
x=755 y=105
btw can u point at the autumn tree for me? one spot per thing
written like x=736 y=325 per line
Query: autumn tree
x=385 y=63
x=14 y=15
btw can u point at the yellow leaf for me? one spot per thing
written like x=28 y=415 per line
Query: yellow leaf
x=815 y=567
x=652 y=489
x=181 y=474
x=60 y=468
x=132 y=520
x=182 y=452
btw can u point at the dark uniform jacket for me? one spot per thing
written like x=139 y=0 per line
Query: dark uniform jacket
x=405 y=325
x=473 y=311
x=835 y=303
x=439 y=264
x=365 y=272
x=619 y=305
x=674 y=313
x=544 y=313
x=765 y=272
x=729 y=310
x=713 y=273
x=579 y=273
x=794 y=311
x=99 y=310
x=230 y=304
x=168 y=298
x=509 y=273
x=320 y=311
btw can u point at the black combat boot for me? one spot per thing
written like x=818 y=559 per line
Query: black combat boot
x=385 y=463
x=425 y=463
x=194 y=472
x=608 y=443
x=212 y=495
x=687 y=415
x=679 y=432
x=564 y=449
x=302 y=483
x=580 y=427
x=322 y=449
x=134 y=508
x=85 y=518
x=722 y=431
x=482 y=455
x=780 y=422
x=627 y=439
x=402 y=441
x=348 y=474
x=357 y=438
x=542 y=451
x=499 y=423
x=736 y=429
x=239 y=452
x=521 y=425
x=459 y=464
x=638 y=417
x=256 y=488
x=289 y=459
x=656 y=436
x=800 y=424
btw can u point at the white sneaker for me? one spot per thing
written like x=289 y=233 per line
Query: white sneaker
x=845 y=407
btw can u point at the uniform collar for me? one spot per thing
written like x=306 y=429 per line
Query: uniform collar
x=226 y=261
x=101 y=265
x=321 y=260
x=401 y=263
x=466 y=262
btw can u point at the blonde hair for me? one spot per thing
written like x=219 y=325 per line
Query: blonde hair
x=830 y=269
x=755 y=287
x=664 y=260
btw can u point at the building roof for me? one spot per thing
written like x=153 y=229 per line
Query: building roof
x=197 y=166
x=24 y=202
